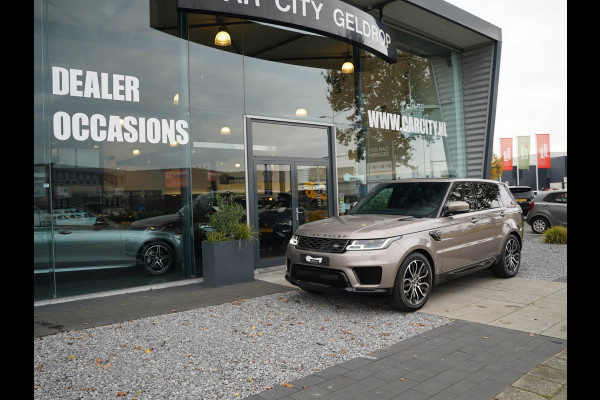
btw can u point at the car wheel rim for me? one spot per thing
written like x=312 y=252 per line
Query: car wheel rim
x=539 y=225
x=416 y=282
x=157 y=258
x=512 y=256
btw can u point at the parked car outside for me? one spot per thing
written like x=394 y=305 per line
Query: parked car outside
x=548 y=209
x=405 y=236
x=523 y=194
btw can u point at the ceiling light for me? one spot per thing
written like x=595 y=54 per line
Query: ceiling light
x=301 y=112
x=135 y=152
x=225 y=130
x=176 y=99
x=222 y=38
x=347 y=68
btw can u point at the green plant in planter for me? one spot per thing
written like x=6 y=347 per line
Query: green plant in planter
x=226 y=222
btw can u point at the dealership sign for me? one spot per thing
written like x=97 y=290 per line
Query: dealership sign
x=333 y=18
x=100 y=128
x=406 y=124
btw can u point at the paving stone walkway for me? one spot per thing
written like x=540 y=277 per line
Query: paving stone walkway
x=461 y=360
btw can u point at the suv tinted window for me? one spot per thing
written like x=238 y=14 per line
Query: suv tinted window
x=521 y=192
x=486 y=195
x=520 y=189
x=461 y=191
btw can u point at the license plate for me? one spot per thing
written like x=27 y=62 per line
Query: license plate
x=317 y=260
x=521 y=200
x=266 y=230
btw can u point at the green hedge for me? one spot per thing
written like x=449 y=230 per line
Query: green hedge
x=556 y=235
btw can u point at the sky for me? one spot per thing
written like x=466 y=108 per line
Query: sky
x=532 y=88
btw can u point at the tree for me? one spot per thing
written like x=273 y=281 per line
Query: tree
x=497 y=168
x=385 y=87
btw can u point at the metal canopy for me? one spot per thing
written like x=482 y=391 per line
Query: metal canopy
x=422 y=27
x=435 y=20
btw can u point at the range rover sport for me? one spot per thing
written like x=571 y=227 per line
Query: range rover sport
x=405 y=236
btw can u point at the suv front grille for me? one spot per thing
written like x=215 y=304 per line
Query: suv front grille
x=325 y=245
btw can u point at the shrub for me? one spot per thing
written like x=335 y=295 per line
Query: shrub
x=226 y=222
x=556 y=235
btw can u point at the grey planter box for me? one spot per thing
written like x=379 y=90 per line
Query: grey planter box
x=227 y=263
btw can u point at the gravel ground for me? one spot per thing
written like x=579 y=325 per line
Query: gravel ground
x=235 y=350
x=542 y=261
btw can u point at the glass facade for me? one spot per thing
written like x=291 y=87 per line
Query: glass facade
x=139 y=118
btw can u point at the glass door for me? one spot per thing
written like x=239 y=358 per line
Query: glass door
x=311 y=191
x=288 y=194
x=274 y=207
x=290 y=182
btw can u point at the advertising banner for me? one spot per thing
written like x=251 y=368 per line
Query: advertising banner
x=506 y=152
x=543 y=150
x=523 y=149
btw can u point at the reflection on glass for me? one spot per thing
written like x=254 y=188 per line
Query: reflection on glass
x=110 y=161
x=312 y=192
x=290 y=140
x=85 y=240
x=274 y=190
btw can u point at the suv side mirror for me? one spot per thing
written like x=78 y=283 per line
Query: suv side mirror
x=456 y=207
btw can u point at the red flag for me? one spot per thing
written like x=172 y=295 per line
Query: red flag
x=543 y=150
x=506 y=152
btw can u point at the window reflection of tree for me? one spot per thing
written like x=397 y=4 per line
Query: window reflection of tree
x=380 y=201
x=381 y=87
x=486 y=195
x=462 y=192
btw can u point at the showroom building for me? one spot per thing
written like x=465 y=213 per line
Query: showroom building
x=144 y=110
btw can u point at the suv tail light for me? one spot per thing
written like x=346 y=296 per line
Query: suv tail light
x=530 y=205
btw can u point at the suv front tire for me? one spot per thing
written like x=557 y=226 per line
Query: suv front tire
x=413 y=283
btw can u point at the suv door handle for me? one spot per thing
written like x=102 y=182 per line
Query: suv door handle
x=474 y=220
x=64 y=231
x=502 y=213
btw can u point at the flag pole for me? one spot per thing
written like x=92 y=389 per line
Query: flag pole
x=518 y=159
x=537 y=158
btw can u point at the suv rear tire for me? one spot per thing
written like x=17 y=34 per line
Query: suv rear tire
x=413 y=283
x=510 y=260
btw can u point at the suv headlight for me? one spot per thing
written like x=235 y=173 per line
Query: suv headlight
x=294 y=240
x=371 y=244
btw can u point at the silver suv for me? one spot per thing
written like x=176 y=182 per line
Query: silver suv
x=405 y=236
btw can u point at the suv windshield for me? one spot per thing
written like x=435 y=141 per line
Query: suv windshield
x=416 y=199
